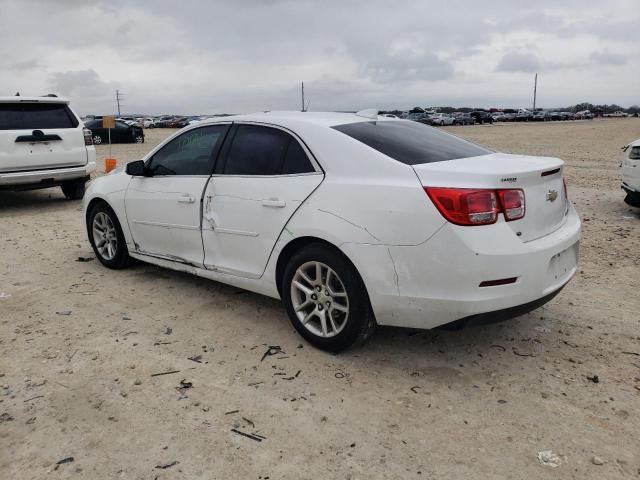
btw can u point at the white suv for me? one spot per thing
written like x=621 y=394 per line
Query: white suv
x=43 y=144
x=631 y=173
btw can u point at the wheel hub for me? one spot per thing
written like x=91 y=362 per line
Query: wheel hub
x=319 y=299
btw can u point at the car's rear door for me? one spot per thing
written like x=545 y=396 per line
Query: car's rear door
x=38 y=135
x=263 y=175
x=164 y=210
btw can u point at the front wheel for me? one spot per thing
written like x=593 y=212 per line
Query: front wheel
x=326 y=299
x=73 y=189
x=97 y=139
x=106 y=237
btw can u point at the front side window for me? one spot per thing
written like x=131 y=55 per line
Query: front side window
x=33 y=116
x=192 y=153
x=259 y=150
x=410 y=142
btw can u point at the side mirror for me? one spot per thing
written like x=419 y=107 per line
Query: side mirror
x=137 y=169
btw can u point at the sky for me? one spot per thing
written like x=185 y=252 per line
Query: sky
x=197 y=57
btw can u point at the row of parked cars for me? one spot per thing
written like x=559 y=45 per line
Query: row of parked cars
x=483 y=116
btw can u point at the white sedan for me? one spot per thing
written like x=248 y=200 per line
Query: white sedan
x=442 y=119
x=352 y=220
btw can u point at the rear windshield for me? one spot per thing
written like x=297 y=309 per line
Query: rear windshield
x=411 y=142
x=31 y=116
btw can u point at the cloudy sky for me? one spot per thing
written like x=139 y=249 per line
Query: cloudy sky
x=246 y=55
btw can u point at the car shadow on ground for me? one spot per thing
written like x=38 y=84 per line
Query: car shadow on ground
x=394 y=346
x=34 y=200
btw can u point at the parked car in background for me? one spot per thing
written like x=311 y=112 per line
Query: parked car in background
x=510 y=116
x=540 y=116
x=420 y=117
x=43 y=144
x=524 y=115
x=149 y=122
x=441 y=119
x=584 y=115
x=631 y=173
x=616 y=114
x=122 y=133
x=178 y=122
x=163 y=122
x=462 y=118
x=498 y=116
x=275 y=203
x=480 y=116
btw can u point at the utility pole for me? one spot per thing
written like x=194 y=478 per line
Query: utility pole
x=535 y=89
x=303 y=109
x=118 y=98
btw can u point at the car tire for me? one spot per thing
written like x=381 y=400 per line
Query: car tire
x=336 y=306
x=116 y=255
x=73 y=189
x=97 y=139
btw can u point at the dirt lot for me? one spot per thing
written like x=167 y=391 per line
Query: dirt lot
x=79 y=345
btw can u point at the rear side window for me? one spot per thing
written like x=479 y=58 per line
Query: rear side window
x=411 y=143
x=258 y=150
x=634 y=154
x=32 y=116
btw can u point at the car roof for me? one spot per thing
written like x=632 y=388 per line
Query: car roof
x=21 y=99
x=293 y=118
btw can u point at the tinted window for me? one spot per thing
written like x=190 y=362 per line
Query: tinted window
x=93 y=124
x=30 y=116
x=410 y=142
x=122 y=125
x=192 y=153
x=295 y=160
x=256 y=151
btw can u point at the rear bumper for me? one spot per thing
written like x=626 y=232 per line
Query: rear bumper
x=44 y=178
x=438 y=282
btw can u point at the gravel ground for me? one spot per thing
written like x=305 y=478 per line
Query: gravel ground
x=79 y=346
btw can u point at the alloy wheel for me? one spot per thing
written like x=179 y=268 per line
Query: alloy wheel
x=104 y=236
x=319 y=299
x=97 y=139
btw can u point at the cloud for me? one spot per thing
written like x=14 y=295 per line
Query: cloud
x=407 y=66
x=608 y=58
x=519 y=62
x=209 y=57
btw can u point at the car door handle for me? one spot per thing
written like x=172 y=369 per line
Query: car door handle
x=186 y=198
x=274 y=202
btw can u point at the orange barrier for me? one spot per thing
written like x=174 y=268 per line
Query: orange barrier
x=109 y=164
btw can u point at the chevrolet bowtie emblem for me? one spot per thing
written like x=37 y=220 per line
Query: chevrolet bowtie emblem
x=552 y=195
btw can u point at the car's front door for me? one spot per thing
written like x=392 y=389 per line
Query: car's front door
x=164 y=209
x=262 y=176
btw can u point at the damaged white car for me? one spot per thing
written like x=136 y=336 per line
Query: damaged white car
x=352 y=220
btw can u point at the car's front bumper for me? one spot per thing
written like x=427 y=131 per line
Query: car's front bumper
x=438 y=281
x=44 y=178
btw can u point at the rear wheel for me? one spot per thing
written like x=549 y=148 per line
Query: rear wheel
x=138 y=139
x=73 y=189
x=106 y=237
x=326 y=299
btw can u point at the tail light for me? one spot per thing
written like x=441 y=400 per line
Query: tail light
x=88 y=137
x=465 y=206
x=512 y=202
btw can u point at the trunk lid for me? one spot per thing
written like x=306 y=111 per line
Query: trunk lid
x=38 y=135
x=539 y=177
